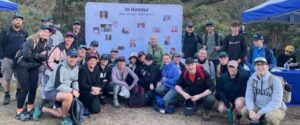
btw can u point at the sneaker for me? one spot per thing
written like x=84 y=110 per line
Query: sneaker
x=116 y=104
x=205 y=115
x=66 y=121
x=23 y=116
x=37 y=113
x=6 y=100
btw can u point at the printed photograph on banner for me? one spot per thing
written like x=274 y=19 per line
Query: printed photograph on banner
x=121 y=48
x=103 y=14
x=167 y=40
x=106 y=27
x=141 y=25
x=156 y=30
x=172 y=51
x=167 y=18
x=96 y=31
x=132 y=43
x=174 y=29
x=108 y=37
x=125 y=30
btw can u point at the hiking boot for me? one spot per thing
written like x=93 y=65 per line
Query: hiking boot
x=205 y=115
x=6 y=99
x=37 y=113
x=66 y=121
x=116 y=104
x=23 y=116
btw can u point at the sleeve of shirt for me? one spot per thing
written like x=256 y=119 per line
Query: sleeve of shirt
x=243 y=48
x=180 y=81
x=220 y=89
x=83 y=80
x=273 y=62
x=249 y=97
x=2 y=38
x=225 y=44
x=209 y=82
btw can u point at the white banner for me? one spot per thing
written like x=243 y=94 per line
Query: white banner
x=128 y=27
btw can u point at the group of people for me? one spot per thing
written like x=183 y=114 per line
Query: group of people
x=212 y=78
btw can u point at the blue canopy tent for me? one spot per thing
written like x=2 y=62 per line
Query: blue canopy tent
x=6 y=5
x=280 y=11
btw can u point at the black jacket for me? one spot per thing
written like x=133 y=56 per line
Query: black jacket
x=229 y=89
x=79 y=40
x=190 y=44
x=31 y=56
x=11 y=41
x=149 y=74
x=282 y=59
x=235 y=46
x=105 y=74
x=198 y=86
x=88 y=79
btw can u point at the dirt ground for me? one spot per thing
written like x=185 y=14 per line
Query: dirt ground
x=131 y=116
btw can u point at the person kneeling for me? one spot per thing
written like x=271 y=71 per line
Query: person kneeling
x=196 y=87
x=61 y=88
x=90 y=85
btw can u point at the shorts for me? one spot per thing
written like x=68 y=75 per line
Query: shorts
x=51 y=95
x=7 y=69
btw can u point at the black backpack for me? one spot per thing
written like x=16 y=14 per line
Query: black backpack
x=137 y=97
x=76 y=111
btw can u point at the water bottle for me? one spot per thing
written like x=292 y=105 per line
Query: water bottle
x=229 y=115
x=285 y=66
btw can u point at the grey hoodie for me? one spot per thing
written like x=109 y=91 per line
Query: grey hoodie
x=266 y=100
x=67 y=76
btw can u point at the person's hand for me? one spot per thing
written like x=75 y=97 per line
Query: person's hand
x=186 y=96
x=196 y=98
x=253 y=115
x=151 y=86
x=158 y=84
x=44 y=53
x=105 y=80
x=75 y=93
x=218 y=48
x=96 y=90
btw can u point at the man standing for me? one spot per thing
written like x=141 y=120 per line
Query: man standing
x=264 y=95
x=212 y=42
x=235 y=44
x=79 y=36
x=57 y=36
x=11 y=39
x=260 y=50
x=191 y=42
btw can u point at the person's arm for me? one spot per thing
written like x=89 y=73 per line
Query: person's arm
x=172 y=81
x=273 y=62
x=2 y=40
x=277 y=98
x=220 y=89
x=212 y=70
x=134 y=76
x=210 y=85
x=28 y=53
x=83 y=79
x=225 y=44
x=243 y=48
x=243 y=79
x=179 y=87
x=98 y=83
x=63 y=87
x=114 y=78
x=249 y=97
x=249 y=60
x=74 y=83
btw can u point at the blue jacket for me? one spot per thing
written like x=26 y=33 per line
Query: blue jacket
x=171 y=73
x=263 y=52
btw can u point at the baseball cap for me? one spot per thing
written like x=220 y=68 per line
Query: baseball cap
x=149 y=57
x=82 y=47
x=18 y=15
x=104 y=57
x=190 y=24
x=257 y=37
x=114 y=50
x=141 y=53
x=92 y=56
x=69 y=34
x=46 y=19
x=233 y=63
x=133 y=54
x=47 y=27
x=176 y=54
x=121 y=58
x=209 y=23
x=189 y=60
x=222 y=54
x=260 y=59
x=94 y=43
x=72 y=53
x=76 y=22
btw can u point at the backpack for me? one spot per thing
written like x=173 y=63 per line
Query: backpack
x=195 y=36
x=76 y=111
x=287 y=94
x=137 y=98
x=199 y=69
x=61 y=48
x=57 y=76
x=216 y=39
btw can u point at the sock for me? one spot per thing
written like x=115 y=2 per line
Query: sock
x=19 y=110
x=29 y=107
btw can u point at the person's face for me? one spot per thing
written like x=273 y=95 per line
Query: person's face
x=261 y=68
x=47 y=23
x=232 y=70
x=176 y=60
x=235 y=29
x=191 y=67
x=121 y=64
x=166 y=60
x=44 y=34
x=223 y=60
x=142 y=58
x=94 y=48
x=17 y=22
x=114 y=55
x=72 y=60
x=148 y=62
x=288 y=53
x=133 y=60
x=210 y=28
x=81 y=52
x=258 y=43
x=104 y=62
x=202 y=55
x=153 y=40
x=69 y=40
x=92 y=62
x=76 y=28
x=189 y=29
